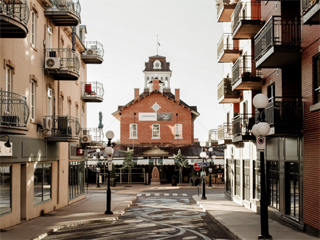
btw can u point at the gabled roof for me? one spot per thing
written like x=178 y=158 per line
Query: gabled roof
x=168 y=95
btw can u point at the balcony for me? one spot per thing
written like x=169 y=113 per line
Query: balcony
x=14 y=16
x=225 y=93
x=245 y=76
x=285 y=116
x=14 y=113
x=225 y=134
x=246 y=20
x=92 y=92
x=92 y=136
x=226 y=51
x=311 y=11
x=94 y=53
x=278 y=43
x=241 y=127
x=61 y=128
x=225 y=9
x=62 y=64
x=64 y=12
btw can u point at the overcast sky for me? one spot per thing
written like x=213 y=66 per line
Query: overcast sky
x=188 y=34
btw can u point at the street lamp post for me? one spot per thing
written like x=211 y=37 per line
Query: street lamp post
x=212 y=156
x=260 y=130
x=203 y=155
x=109 y=151
x=98 y=169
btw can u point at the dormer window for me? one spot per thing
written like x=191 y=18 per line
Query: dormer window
x=157 y=64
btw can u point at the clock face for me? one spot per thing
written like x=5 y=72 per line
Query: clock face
x=157 y=64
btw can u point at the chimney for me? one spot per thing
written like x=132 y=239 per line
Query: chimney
x=136 y=94
x=177 y=95
x=155 y=84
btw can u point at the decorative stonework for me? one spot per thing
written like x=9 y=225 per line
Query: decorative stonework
x=155 y=107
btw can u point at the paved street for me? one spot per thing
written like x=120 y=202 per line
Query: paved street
x=156 y=214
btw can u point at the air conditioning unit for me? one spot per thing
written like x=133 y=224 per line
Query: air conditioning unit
x=47 y=123
x=52 y=62
x=86 y=139
x=91 y=52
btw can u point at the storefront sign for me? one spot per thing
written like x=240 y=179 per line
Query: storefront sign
x=155 y=116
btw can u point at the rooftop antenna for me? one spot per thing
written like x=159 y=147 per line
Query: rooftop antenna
x=158 y=44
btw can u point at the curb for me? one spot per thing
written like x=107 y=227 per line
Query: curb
x=114 y=217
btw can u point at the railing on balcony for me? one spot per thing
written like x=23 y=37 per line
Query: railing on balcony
x=68 y=5
x=307 y=5
x=92 y=90
x=67 y=58
x=245 y=66
x=277 y=31
x=14 y=109
x=95 y=133
x=16 y=9
x=243 y=11
x=94 y=48
x=225 y=88
x=242 y=124
x=285 y=114
x=225 y=132
x=61 y=126
x=220 y=4
x=225 y=43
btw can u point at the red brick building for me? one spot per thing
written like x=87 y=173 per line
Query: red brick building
x=156 y=124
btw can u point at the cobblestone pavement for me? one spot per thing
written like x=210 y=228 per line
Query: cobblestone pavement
x=162 y=214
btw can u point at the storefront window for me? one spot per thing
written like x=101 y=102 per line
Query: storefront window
x=76 y=179
x=273 y=183
x=42 y=182
x=5 y=189
x=246 y=177
x=292 y=189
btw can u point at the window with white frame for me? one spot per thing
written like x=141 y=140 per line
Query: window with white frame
x=33 y=100
x=133 y=130
x=33 y=27
x=8 y=87
x=155 y=131
x=178 y=130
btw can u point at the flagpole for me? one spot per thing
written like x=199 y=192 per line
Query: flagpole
x=157 y=44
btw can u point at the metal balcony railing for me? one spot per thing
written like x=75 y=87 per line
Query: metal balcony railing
x=225 y=88
x=220 y=5
x=244 y=11
x=225 y=132
x=95 y=133
x=307 y=5
x=61 y=126
x=225 y=43
x=14 y=110
x=16 y=9
x=68 y=59
x=93 y=48
x=284 y=113
x=92 y=89
x=242 y=124
x=245 y=66
x=277 y=31
x=68 y=5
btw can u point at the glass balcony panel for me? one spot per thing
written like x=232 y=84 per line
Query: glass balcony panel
x=14 y=16
x=225 y=9
x=278 y=43
x=14 y=109
x=226 y=50
x=225 y=93
x=92 y=92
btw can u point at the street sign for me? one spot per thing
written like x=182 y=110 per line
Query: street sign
x=261 y=143
x=196 y=167
x=109 y=166
x=204 y=164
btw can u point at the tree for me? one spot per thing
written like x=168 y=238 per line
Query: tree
x=182 y=162
x=128 y=162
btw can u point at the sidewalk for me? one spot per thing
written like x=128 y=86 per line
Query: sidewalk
x=239 y=221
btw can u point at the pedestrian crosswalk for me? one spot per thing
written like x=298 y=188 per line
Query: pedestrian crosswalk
x=161 y=194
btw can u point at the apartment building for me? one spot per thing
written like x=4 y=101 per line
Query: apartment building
x=272 y=47
x=43 y=110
